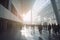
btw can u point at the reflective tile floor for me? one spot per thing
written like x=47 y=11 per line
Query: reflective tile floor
x=28 y=33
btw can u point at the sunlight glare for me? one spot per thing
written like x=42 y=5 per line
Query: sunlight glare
x=25 y=32
x=27 y=17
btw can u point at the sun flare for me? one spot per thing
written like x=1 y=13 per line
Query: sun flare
x=27 y=17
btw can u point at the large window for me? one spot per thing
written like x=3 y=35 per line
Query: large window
x=13 y=10
x=4 y=3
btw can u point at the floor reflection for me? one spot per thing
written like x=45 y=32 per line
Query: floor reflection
x=29 y=33
x=33 y=33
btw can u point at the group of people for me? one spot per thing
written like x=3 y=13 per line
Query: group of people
x=54 y=27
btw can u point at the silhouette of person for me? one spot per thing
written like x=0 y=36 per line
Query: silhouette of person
x=49 y=28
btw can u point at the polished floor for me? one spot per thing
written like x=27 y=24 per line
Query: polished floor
x=28 y=33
